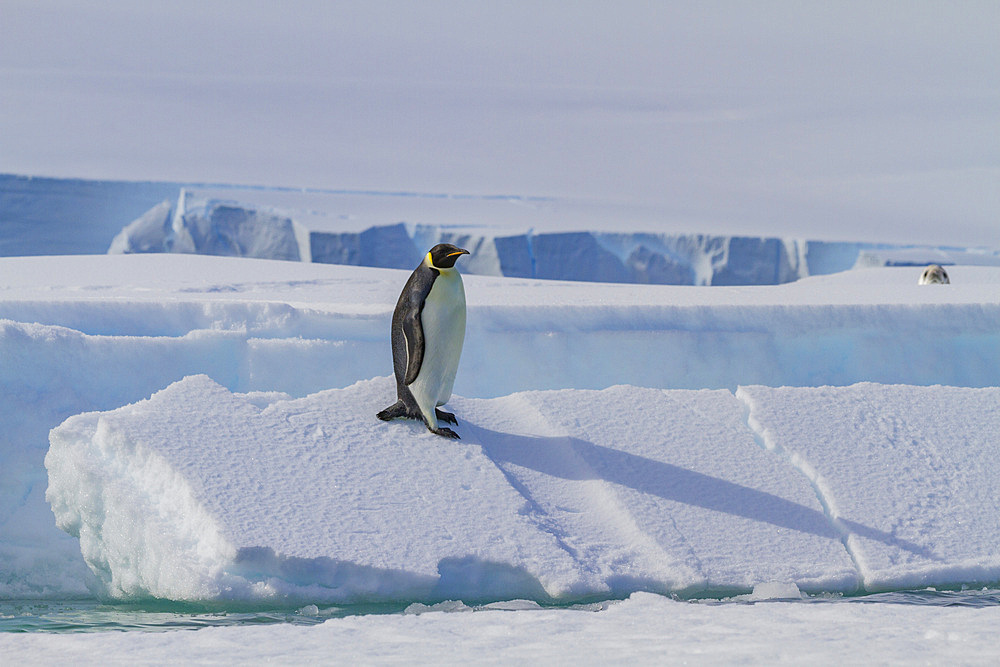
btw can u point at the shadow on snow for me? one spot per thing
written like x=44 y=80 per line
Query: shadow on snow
x=578 y=460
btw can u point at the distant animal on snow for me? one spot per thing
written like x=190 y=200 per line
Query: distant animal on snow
x=428 y=330
x=934 y=275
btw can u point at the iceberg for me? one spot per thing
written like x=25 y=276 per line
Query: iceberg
x=64 y=216
x=211 y=228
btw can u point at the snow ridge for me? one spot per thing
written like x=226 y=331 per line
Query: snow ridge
x=176 y=550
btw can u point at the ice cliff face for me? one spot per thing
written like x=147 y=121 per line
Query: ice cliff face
x=216 y=227
x=64 y=216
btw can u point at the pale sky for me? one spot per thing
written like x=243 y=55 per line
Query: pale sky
x=742 y=114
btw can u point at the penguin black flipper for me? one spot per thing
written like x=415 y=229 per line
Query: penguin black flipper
x=413 y=333
x=408 y=349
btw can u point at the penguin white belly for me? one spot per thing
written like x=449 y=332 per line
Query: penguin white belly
x=443 y=322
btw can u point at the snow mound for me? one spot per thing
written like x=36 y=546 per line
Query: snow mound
x=771 y=590
x=199 y=493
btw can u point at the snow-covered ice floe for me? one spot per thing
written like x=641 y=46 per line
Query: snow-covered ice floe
x=93 y=333
x=199 y=493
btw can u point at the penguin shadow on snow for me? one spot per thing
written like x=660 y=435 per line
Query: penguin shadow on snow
x=578 y=460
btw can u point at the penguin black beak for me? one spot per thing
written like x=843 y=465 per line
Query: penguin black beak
x=460 y=252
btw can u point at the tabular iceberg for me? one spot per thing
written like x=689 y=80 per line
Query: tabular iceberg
x=206 y=224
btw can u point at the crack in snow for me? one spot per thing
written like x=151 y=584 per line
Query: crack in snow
x=763 y=438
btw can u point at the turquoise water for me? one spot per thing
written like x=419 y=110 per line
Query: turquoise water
x=95 y=616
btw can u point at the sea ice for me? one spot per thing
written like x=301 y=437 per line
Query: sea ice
x=97 y=332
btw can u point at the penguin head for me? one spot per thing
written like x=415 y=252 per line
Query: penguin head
x=444 y=255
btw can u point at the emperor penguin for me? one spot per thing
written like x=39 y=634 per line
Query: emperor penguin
x=934 y=275
x=428 y=329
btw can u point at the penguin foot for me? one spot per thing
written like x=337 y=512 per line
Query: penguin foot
x=446 y=432
x=396 y=411
x=446 y=417
x=391 y=412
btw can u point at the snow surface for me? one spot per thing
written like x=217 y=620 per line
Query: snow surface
x=645 y=629
x=908 y=474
